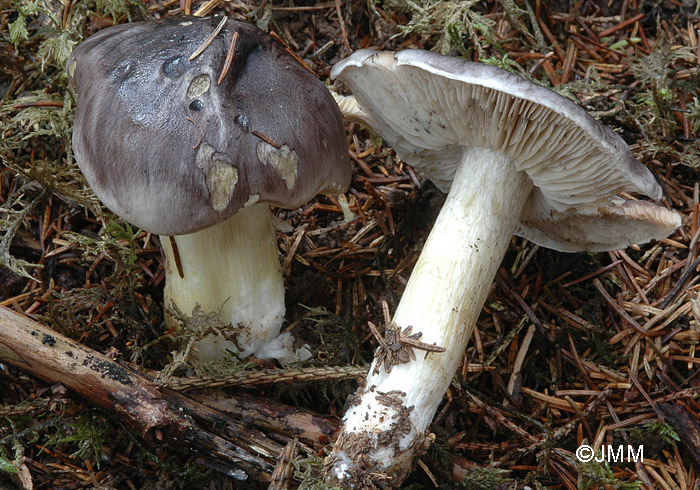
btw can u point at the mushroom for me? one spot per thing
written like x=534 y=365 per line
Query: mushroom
x=516 y=158
x=191 y=128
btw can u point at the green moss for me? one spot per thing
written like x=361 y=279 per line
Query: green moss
x=36 y=113
x=308 y=471
x=13 y=213
x=83 y=435
x=593 y=474
x=485 y=478
x=652 y=434
x=339 y=343
x=450 y=23
x=652 y=109
x=186 y=329
x=440 y=454
x=116 y=241
x=6 y=466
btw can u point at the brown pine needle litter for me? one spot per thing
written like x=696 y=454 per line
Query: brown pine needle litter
x=571 y=349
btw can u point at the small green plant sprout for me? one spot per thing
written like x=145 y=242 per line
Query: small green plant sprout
x=623 y=43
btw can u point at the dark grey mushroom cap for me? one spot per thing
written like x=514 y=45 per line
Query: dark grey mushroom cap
x=169 y=150
x=430 y=107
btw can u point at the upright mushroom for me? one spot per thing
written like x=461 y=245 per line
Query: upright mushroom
x=190 y=128
x=515 y=158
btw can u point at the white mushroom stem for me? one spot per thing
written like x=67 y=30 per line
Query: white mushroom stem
x=443 y=299
x=233 y=266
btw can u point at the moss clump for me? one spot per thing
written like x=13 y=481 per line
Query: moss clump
x=449 y=22
x=308 y=472
x=486 y=478
x=652 y=109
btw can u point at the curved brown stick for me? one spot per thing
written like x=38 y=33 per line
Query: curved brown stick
x=160 y=415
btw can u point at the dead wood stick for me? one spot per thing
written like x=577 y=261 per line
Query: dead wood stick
x=274 y=417
x=159 y=415
x=283 y=471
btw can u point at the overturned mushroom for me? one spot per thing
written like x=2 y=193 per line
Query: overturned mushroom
x=516 y=158
x=191 y=127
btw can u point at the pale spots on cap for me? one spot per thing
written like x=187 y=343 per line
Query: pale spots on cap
x=203 y=156
x=253 y=199
x=220 y=176
x=168 y=149
x=199 y=86
x=284 y=160
x=221 y=182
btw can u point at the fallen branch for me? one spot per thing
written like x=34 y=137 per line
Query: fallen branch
x=160 y=415
x=270 y=416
